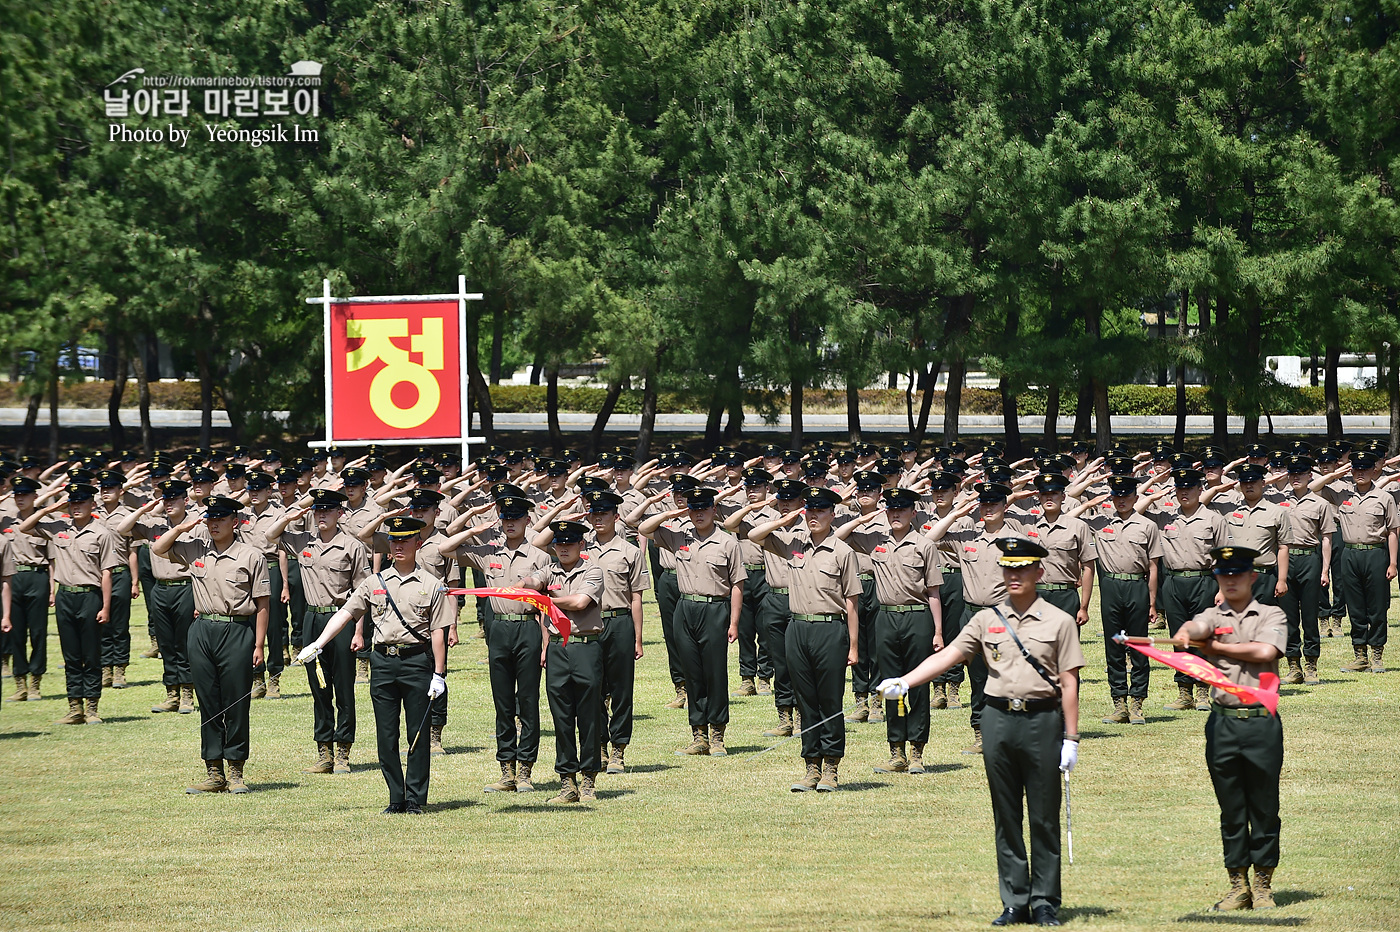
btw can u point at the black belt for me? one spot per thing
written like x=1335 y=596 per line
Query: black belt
x=820 y=618
x=1253 y=711
x=227 y=619
x=172 y=582
x=402 y=650
x=1022 y=705
x=617 y=613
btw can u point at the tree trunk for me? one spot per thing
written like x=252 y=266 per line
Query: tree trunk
x=958 y=319
x=928 y=381
x=648 y=424
x=1083 y=410
x=498 y=332
x=795 y=415
x=1254 y=356
x=600 y=423
x=853 y=410
x=535 y=368
x=1392 y=385
x=1010 y=415
x=206 y=396
x=1329 y=391
x=1312 y=376
x=114 y=399
x=1183 y=312
x=1161 y=340
x=909 y=399
x=715 y=418
x=143 y=396
x=478 y=392
x=1051 y=437
x=152 y=350
x=1220 y=423
x=53 y=410
x=734 y=427
x=1103 y=428
x=31 y=419
x=551 y=407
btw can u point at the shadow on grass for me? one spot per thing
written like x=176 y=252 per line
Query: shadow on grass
x=1099 y=734
x=450 y=804
x=1289 y=897
x=21 y=734
x=259 y=787
x=546 y=807
x=464 y=749
x=1242 y=918
x=609 y=794
x=1085 y=912
x=649 y=768
x=939 y=768
x=118 y=719
x=744 y=749
x=861 y=786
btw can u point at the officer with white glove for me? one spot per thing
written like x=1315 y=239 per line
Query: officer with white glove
x=1032 y=712
x=438 y=687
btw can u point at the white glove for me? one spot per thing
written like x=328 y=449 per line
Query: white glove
x=893 y=688
x=438 y=687
x=308 y=653
x=1069 y=755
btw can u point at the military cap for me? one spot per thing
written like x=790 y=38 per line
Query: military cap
x=1081 y=446
x=623 y=462
x=889 y=467
x=221 y=506
x=773 y=451
x=907 y=445
x=1062 y=461
x=601 y=500
x=376 y=464
x=991 y=492
x=318 y=456
x=354 y=475
x=29 y=462
x=429 y=475
x=818 y=499
x=502 y=490
x=757 y=475
x=1328 y=455
x=24 y=485
x=82 y=475
x=449 y=459
x=1120 y=465
x=1256 y=450
x=304 y=465
x=1122 y=485
x=684 y=483
x=868 y=479
x=287 y=476
x=1187 y=478
x=1211 y=459
x=1342 y=446
x=942 y=479
x=80 y=491
x=111 y=479
x=236 y=471
x=1182 y=461
x=495 y=472
x=424 y=498
x=513 y=457
x=846 y=456
x=556 y=468
x=238 y=450
x=958 y=449
x=402 y=526
x=899 y=498
x=700 y=498
x=1364 y=459
x=990 y=460
x=1231 y=560
x=568 y=532
x=494 y=451
x=327 y=498
x=333 y=450
x=955 y=466
x=682 y=458
x=172 y=488
x=203 y=475
x=1019 y=551
x=514 y=506
x=1299 y=464
x=1051 y=482
x=592 y=484
x=271 y=456
x=258 y=481
x=1251 y=472
x=788 y=489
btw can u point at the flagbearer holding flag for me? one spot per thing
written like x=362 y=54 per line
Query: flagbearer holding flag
x=1243 y=638
x=1029 y=727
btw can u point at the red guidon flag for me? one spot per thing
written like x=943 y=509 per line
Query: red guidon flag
x=536 y=600
x=1266 y=694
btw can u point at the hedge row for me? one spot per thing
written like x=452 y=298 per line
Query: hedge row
x=1123 y=401
x=170 y=396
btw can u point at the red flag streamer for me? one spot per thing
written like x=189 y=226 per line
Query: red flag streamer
x=1266 y=694
x=536 y=600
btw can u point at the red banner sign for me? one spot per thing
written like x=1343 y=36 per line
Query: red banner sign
x=1266 y=694
x=395 y=371
x=536 y=600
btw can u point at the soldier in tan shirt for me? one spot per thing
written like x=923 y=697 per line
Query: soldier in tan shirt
x=823 y=638
x=409 y=612
x=84 y=553
x=1260 y=525
x=1244 y=743
x=909 y=623
x=116 y=634
x=1368 y=519
x=1031 y=726
x=29 y=592
x=710 y=576
x=230 y=592
x=755 y=666
x=256 y=521
x=1069 y=565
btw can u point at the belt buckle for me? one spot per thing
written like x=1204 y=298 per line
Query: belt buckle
x=392 y=650
x=1018 y=705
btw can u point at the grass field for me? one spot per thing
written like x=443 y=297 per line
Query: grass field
x=98 y=834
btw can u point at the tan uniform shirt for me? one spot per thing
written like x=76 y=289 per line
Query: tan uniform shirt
x=1187 y=542
x=7 y=565
x=708 y=566
x=1258 y=622
x=111 y=519
x=1261 y=527
x=354 y=520
x=1310 y=518
x=904 y=569
x=29 y=549
x=429 y=553
x=254 y=527
x=150 y=528
x=978 y=556
x=224 y=583
x=624 y=569
x=752 y=552
x=330 y=569
x=822 y=576
x=79 y=554
x=1071 y=545
x=584 y=579
x=504 y=567
x=1226 y=501
x=1049 y=634
x=1126 y=545
x=421 y=598
x=1366 y=519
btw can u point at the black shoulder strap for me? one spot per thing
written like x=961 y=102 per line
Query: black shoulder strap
x=1035 y=664
x=392 y=604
